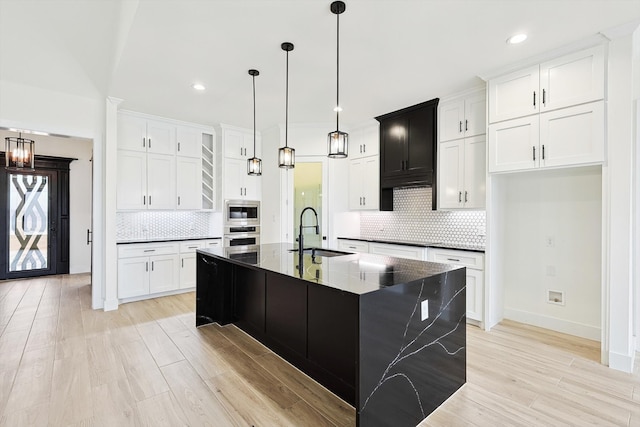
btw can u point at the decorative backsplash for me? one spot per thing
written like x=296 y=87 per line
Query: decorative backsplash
x=162 y=225
x=413 y=220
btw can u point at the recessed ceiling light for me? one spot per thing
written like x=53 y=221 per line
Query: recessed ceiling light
x=337 y=108
x=518 y=38
x=198 y=86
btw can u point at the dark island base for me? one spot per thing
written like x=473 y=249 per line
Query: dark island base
x=373 y=349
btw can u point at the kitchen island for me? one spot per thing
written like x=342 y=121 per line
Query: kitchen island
x=385 y=334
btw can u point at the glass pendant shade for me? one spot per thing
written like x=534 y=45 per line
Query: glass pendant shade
x=287 y=157
x=254 y=166
x=338 y=144
x=19 y=153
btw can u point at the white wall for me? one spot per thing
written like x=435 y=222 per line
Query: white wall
x=565 y=206
x=79 y=189
x=34 y=108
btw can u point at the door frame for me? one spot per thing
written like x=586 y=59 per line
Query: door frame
x=287 y=202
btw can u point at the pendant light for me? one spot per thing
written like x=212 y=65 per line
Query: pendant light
x=19 y=153
x=254 y=164
x=338 y=142
x=286 y=154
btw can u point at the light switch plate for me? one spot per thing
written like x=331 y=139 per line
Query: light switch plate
x=424 y=309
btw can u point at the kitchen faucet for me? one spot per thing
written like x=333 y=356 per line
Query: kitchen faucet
x=317 y=227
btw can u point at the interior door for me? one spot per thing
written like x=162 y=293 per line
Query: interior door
x=31 y=225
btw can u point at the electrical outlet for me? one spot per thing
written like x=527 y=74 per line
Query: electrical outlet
x=424 y=309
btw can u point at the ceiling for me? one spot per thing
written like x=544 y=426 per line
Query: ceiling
x=394 y=53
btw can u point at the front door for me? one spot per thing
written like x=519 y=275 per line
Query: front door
x=31 y=223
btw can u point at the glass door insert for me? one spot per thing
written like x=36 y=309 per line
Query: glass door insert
x=28 y=222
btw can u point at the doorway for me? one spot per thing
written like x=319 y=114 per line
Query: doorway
x=306 y=189
x=34 y=229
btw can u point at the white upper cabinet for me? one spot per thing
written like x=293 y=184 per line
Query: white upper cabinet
x=161 y=182
x=462 y=173
x=147 y=135
x=237 y=183
x=189 y=183
x=572 y=79
x=239 y=144
x=514 y=95
x=364 y=141
x=464 y=117
x=189 y=141
x=513 y=145
x=364 y=187
x=131 y=193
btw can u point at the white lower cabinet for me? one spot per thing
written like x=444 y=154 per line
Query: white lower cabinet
x=147 y=269
x=353 y=246
x=400 y=251
x=474 y=261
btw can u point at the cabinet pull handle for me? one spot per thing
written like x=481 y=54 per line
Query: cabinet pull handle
x=149 y=250
x=364 y=201
x=182 y=262
x=146 y=267
x=459 y=196
x=542 y=151
x=149 y=142
x=149 y=199
x=466 y=125
x=178 y=200
x=534 y=98
x=360 y=147
x=143 y=141
x=88 y=236
x=360 y=201
x=144 y=200
x=151 y=265
x=352 y=247
x=466 y=196
x=364 y=148
x=534 y=153
x=460 y=126
x=544 y=97
x=453 y=259
x=178 y=146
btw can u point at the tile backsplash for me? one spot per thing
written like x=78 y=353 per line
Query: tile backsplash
x=413 y=220
x=165 y=224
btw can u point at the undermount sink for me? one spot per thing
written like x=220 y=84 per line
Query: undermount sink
x=322 y=252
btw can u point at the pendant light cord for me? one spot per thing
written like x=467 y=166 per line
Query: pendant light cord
x=286 y=112
x=337 y=70
x=254 y=115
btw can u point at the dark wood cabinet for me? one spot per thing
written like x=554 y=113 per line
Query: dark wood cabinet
x=286 y=312
x=214 y=291
x=408 y=150
x=249 y=298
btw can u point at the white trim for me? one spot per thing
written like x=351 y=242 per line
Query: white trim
x=110 y=305
x=621 y=362
x=621 y=30
x=555 y=324
x=152 y=296
x=208 y=128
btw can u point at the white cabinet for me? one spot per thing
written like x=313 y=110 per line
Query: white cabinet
x=237 y=183
x=145 y=181
x=188 y=183
x=474 y=262
x=188 y=262
x=572 y=79
x=464 y=117
x=147 y=268
x=143 y=134
x=353 y=246
x=238 y=144
x=400 y=251
x=210 y=243
x=189 y=141
x=570 y=136
x=551 y=115
x=364 y=141
x=462 y=173
x=364 y=187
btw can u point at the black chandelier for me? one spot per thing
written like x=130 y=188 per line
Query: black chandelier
x=286 y=154
x=254 y=164
x=19 y=153
x=337 y=141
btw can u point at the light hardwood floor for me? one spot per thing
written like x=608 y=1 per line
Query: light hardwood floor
x=63 y=364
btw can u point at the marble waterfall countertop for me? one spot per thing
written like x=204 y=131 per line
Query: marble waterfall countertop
x=357 y=273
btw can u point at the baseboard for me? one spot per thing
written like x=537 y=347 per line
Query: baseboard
x=110 y=305
x=559 y=325
x=621 y=362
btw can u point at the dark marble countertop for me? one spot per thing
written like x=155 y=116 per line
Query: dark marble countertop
x=356 y=273
x=165 y=239
x=442 y=245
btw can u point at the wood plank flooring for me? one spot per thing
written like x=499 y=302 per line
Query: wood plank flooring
x=63 y=364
